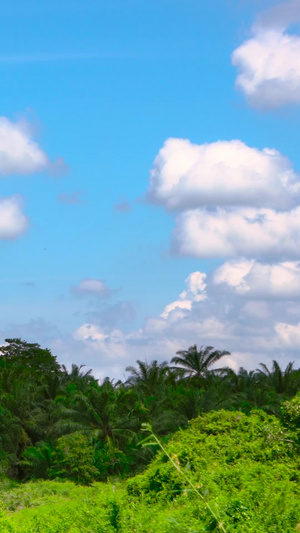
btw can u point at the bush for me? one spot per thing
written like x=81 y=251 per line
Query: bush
x=37 y=460
x=73 y=458
x=240 y=464
x=290 y=415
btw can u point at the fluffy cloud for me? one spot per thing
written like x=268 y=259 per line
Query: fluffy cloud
x=19 y=153
x=256 y=280
x=228 y=309
x=196 y=285
x=195 y=292
x=109 y=344
x=227 y=317
x=90 y=332
x=288 y=335
x=230 y=318
x=225 y=173
x=13 y=222
x=234 y=200
x=259 y=233
x=92 y=286
x=269 y=68
x=269 y=63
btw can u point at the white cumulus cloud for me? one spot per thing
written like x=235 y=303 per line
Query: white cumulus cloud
x=19 y=153
x=13 y=222
x=89 y=332
x=224 y=173
x=109 y=344
x=257 y=280
x=269 y=68
x=196 y=285
x=195 y=292
x=177 y=305
x=248 y=232
x=288 y=335
x=248 y=308
x=269 y=63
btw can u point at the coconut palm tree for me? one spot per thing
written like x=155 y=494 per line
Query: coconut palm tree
x=148 y=378
x=196 y=362
x=81 y=379
x=281 y=381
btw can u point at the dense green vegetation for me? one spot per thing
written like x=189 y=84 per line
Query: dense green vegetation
x=234 y=467
x=226 y=472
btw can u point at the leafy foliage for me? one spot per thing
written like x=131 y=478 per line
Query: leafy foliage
x=245 y=467
x=73 y=459
x=48 y=411
x=235 y=461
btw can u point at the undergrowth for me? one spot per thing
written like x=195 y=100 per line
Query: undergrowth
x=226 y=472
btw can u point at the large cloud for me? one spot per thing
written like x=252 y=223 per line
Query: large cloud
x=269 y=68
x=227 y=173
x=288 y=335
x=248 y=232
x=109 y=343
x=248 y=308
x=256 y=319
x=13 y=222
x=269 y=63
x=19 y=153
x=255 y=280
x=234 y=200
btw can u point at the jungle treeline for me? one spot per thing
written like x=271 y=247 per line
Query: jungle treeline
x=59 y=423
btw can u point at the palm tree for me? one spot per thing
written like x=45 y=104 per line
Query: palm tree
x=77 y=377
x=148 y=378
x=196 y=363
x=282 y=381
x=95 y=413
x=156 y=388
x=25 y=406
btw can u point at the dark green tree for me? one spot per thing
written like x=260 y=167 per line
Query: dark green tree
x=27 y=359
x=196 y=362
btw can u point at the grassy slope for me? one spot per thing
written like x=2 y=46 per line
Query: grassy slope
x=245 y=467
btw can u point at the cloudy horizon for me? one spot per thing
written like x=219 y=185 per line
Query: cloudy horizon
x=151 y=200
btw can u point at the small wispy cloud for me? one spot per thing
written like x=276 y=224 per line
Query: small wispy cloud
x=72 y=56
x=279 y=17
x=92 y=287
x=70 y=198
x=123 y=207
x=29 y=285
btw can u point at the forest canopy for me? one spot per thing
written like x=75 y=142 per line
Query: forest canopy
x=64 y=423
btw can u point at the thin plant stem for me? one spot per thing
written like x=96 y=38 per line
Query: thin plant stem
x=147 y=427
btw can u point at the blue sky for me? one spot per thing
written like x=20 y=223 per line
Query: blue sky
x=147 y=213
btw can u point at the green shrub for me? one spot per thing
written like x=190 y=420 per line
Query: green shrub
x=73 y=458
x=36 y=461
x=290 y=415
x=111 y=461
x=236 y=462
x=245 y=467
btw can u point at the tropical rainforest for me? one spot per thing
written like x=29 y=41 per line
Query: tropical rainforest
x=185 y=446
